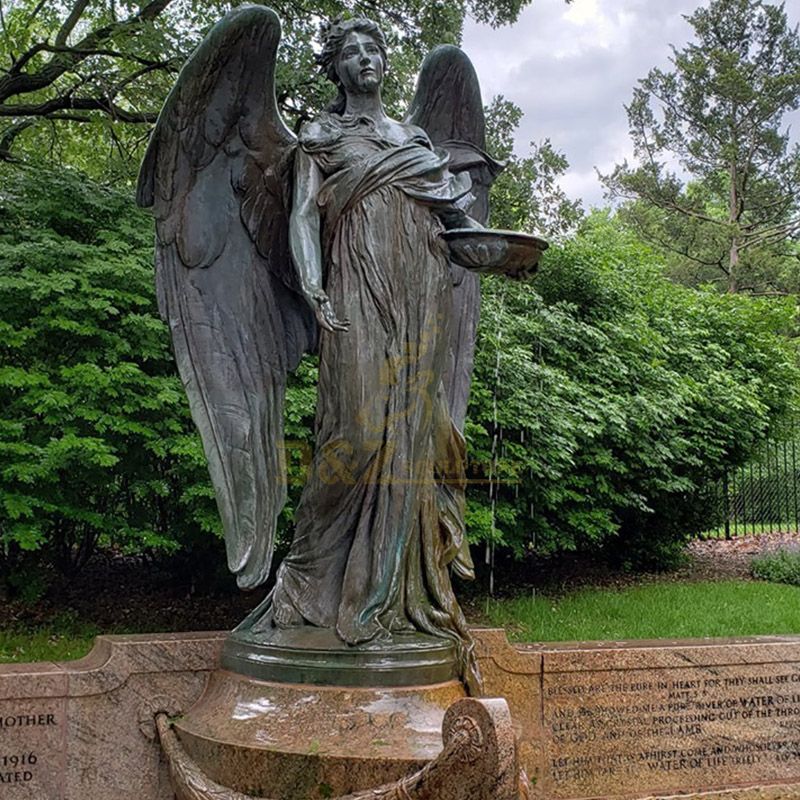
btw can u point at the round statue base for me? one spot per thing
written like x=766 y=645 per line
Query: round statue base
x=317 y=656
x=290 y=741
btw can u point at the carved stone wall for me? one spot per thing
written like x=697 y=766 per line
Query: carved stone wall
x=85 y=730
x=706 y=719
x=710 y=718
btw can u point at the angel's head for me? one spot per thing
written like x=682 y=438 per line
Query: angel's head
x=353 y=55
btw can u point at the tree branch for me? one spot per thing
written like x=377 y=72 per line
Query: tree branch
x=35 y=12
x=134 y=76
x=71 y=117
x=45 y=47
x=648 y=234
x=782 y=204
x=675 y=109
x=71 y=21
x=9 y=134
x=20 y=83
x=771 y=235
x=662 y=202
x=67 y=102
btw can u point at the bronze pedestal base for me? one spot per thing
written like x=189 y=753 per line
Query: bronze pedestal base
x=318 y=656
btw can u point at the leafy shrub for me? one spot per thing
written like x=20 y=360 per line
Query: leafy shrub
x=781 y=566
x=617 y=397
x=97 y=446
x=96 y=443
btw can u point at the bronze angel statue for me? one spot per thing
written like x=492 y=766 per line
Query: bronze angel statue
x=270 y=246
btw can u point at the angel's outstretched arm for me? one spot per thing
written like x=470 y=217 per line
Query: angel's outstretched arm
x=305 y=243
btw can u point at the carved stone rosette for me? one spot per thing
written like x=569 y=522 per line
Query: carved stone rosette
x=478 y=762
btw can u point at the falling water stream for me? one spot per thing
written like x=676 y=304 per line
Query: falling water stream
x=497 y=447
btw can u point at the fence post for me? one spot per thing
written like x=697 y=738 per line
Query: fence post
x=726 y=510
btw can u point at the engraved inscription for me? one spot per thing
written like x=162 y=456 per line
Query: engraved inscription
x=20 y=764
x=661 y=731
x=30 y=749
x=27 y=720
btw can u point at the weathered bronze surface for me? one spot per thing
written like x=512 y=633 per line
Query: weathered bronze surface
x=318 y=656
x=270 y=246
x=492 y=251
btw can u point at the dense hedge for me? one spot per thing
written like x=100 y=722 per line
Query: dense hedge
x=620 y=397
x=614 y=395
x=96 y=445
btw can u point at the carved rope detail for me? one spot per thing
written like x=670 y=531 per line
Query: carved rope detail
x=478 y=762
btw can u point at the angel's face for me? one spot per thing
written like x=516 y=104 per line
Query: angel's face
x=360 y=64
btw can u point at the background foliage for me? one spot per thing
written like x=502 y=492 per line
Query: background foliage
x=619 y=396
x=606 y=398
x=96 y=445
x=716 y=183
x=81 y=81
x=614 y=394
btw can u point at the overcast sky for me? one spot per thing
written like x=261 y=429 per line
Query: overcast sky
x=571 y=68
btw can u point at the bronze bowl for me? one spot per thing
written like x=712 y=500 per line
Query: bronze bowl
x=487 y=251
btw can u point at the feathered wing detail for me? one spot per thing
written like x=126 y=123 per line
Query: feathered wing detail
x=217 y=174
x=448 y=106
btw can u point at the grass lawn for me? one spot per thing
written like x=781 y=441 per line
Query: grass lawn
x=662 y=610
x=63 y=639
x=654 y=611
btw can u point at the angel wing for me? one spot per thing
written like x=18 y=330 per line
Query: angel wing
x=216 y=173
x=447 y=105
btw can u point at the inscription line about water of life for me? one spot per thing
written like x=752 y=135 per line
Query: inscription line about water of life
x=690 y=706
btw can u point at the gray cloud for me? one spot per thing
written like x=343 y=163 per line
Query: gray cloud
x=572 y=68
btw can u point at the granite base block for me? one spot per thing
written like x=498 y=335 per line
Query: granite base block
x=660 y=719
x=287 y=741
x=618 y=720
x=476 y=760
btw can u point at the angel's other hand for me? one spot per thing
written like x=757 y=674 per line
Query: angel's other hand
x=326 y=316
x=484 y=254
x=473 y=224
x=523 y=274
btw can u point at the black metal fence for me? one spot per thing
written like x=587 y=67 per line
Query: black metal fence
x=761 y=497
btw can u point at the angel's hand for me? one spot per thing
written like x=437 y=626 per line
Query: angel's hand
x=523 y=274
x=326 y=316
x=484 y=254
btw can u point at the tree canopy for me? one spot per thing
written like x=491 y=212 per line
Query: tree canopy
x=82 y=81
x=716 y=182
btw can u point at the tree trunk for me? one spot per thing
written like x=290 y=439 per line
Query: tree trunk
x=733 y=219
x=733 y=266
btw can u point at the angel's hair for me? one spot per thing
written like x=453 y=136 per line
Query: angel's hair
x=334 y=35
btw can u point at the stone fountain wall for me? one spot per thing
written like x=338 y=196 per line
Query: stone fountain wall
x=710 y=718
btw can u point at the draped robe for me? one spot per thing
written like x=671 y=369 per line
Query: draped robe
x=381 y=517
